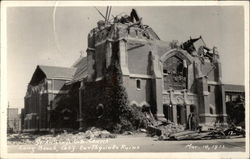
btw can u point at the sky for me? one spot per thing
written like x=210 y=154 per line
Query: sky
x=56 y=36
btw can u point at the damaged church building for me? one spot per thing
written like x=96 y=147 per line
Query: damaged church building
x=172 y=79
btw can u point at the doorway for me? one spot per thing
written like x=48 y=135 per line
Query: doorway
x=181 y=114
x=168 y=112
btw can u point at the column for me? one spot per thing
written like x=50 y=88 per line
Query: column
x=158 y=97
x=219 y=71
x=187 y=111
x=203 y=107
x=123 y=57
x=91 y=63
x=157 y=82
x=190 y=76
x=174 y=113
x=224 y=109
x=108 y=53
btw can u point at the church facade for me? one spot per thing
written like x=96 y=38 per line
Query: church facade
x=174 y=80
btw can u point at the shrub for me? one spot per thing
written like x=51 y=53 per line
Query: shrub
x=117 y=110
x=117 y=116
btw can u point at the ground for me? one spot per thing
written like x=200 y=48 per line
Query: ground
x=134 y=143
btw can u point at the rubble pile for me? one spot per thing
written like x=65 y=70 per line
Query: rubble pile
x=172 y=128
x=164 y=128
x=80 y=137
x=203 y=135
x=98 y=133
x=167 y=130
x=16 y=139
x=193 y=135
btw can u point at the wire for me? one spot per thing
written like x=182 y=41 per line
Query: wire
x=54 y=28
x=100 y=13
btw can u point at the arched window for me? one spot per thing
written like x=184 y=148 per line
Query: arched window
x=138 y=84
x=175 y=73
x=211 y=110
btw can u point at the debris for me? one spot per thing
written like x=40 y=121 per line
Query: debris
x=106 y=134
x=164 y=137
x=194 y=135
x=152 y=130
x=65 y=137
x=235 y=131
x=143 y=130
x=128 y=133
x=89 y=134
x=181 y=135
x=177 y=132
x=163 y=128
x=189 y=136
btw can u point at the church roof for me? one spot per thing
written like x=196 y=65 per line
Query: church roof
x=58 y=72
x=81 y=69
x=52 y=72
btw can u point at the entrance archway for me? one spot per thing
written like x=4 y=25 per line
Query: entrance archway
x=192 y=121
x=181 y=114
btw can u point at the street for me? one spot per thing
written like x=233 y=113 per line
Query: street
x=134 y=143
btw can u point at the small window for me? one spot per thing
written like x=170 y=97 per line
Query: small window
x=138 y=84
x=209 y=89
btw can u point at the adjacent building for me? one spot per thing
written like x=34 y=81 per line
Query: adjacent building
x=13 y=120
x=235 y=103
x=46 y=84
